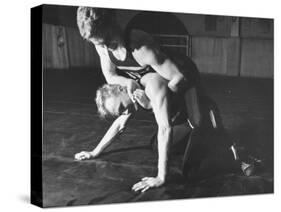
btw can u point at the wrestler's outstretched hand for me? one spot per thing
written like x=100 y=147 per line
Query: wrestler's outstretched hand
x=84 y=155
x=147 y=183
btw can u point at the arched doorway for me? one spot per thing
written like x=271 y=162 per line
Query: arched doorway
x=166 y=28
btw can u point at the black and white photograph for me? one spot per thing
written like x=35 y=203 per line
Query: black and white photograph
x=143 y=105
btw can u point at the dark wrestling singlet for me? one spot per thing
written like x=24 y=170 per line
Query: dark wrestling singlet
x=129 y=62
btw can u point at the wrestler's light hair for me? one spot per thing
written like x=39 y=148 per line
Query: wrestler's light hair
x=95 y=22
x=105 y=92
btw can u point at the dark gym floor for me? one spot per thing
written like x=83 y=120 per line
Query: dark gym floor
x=71 y=125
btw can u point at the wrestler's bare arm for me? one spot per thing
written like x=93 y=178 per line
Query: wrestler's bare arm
x=109 y=71
x=117 y=127
x=147 y=53
x=159 y=102
x=158 y=93
x=167 y=69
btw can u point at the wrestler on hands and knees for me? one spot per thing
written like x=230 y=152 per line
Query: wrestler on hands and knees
x=114 y=100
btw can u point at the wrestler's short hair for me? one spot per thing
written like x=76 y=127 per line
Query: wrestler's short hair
x=95 y=22
x=105 y=92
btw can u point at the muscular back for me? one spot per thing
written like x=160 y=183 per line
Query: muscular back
x=157 y=91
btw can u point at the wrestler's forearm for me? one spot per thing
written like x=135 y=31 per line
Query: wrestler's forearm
x=115 y=129
x=106 y=141
x=164 y=138
x=170 y=72
x=175 y=83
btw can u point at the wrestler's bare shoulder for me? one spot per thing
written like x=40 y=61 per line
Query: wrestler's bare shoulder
x=154 y=80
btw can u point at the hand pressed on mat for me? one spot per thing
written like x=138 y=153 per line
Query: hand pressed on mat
x=147 y=183
x=84 y=155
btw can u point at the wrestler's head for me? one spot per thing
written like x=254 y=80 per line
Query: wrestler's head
x=113 y=100
x=98 y=25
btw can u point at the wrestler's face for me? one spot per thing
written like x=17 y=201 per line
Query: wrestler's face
x=121 y=104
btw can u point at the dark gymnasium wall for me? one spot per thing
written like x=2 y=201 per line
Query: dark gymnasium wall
x=224 y=45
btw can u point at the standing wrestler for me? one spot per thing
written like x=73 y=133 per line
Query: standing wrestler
x=132 y=51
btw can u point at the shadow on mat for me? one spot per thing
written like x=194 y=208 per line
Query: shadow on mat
x=144 y=147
